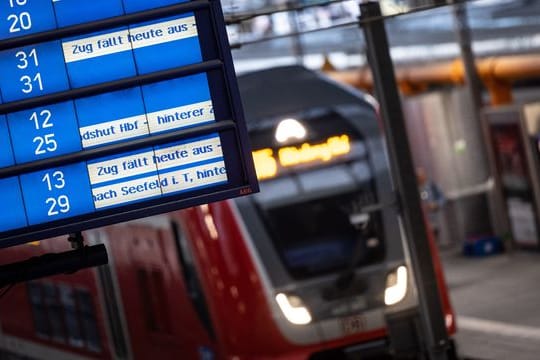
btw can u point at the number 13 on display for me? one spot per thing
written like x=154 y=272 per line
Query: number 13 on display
x=59 y=204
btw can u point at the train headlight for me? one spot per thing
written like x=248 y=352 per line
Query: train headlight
x=290 y=129
x=396 y=286
x=293 y=308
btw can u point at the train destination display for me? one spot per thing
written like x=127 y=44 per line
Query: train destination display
x=120 y=121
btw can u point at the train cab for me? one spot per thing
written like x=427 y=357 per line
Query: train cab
x=324 y=225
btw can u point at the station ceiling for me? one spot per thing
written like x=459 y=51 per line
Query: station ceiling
x=498 y=27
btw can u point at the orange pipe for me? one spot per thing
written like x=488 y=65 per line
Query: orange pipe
x=497 y=74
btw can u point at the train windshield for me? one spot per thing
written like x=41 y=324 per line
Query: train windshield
x=311 y=207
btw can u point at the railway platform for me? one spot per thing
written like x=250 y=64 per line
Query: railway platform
x=496 y=301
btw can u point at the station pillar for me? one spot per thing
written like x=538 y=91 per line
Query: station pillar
x=433 y=336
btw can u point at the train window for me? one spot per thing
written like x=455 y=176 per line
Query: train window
x=88 y=319
x=39 y=311
x=324 y=235
x=62 y=313
x=143 y=282
x=191 y=279
x=159 y=297
x=54 y=312
x=154 y=298
x=319 y=183
x=73 y=327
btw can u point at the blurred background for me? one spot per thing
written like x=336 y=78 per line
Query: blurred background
x=316 y=265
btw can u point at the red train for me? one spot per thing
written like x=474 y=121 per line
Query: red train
x=312 y=267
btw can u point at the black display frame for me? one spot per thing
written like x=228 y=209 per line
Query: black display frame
x=230 y=123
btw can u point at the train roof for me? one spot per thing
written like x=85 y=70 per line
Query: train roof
x=291 y=89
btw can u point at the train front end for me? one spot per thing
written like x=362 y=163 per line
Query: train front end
x=324 y=231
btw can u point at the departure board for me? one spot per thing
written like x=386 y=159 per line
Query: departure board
x=111 y=110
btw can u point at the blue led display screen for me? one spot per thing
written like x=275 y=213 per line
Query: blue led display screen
x=131 y=6
x=104 y=119
x=113 y=117
x=84 y=187
x=25 y=17
x=11 y=194
x=44 y=132
x=99 y=57
x=68 y=102
x=72 y=12
x=6 y=152
x=32 y=71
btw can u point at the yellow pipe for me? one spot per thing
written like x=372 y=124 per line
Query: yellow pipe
x=497 y=74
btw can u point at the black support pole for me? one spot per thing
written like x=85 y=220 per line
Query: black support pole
x=434 y=337
x=53 y=264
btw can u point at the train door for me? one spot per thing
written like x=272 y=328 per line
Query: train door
x=162 y=321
